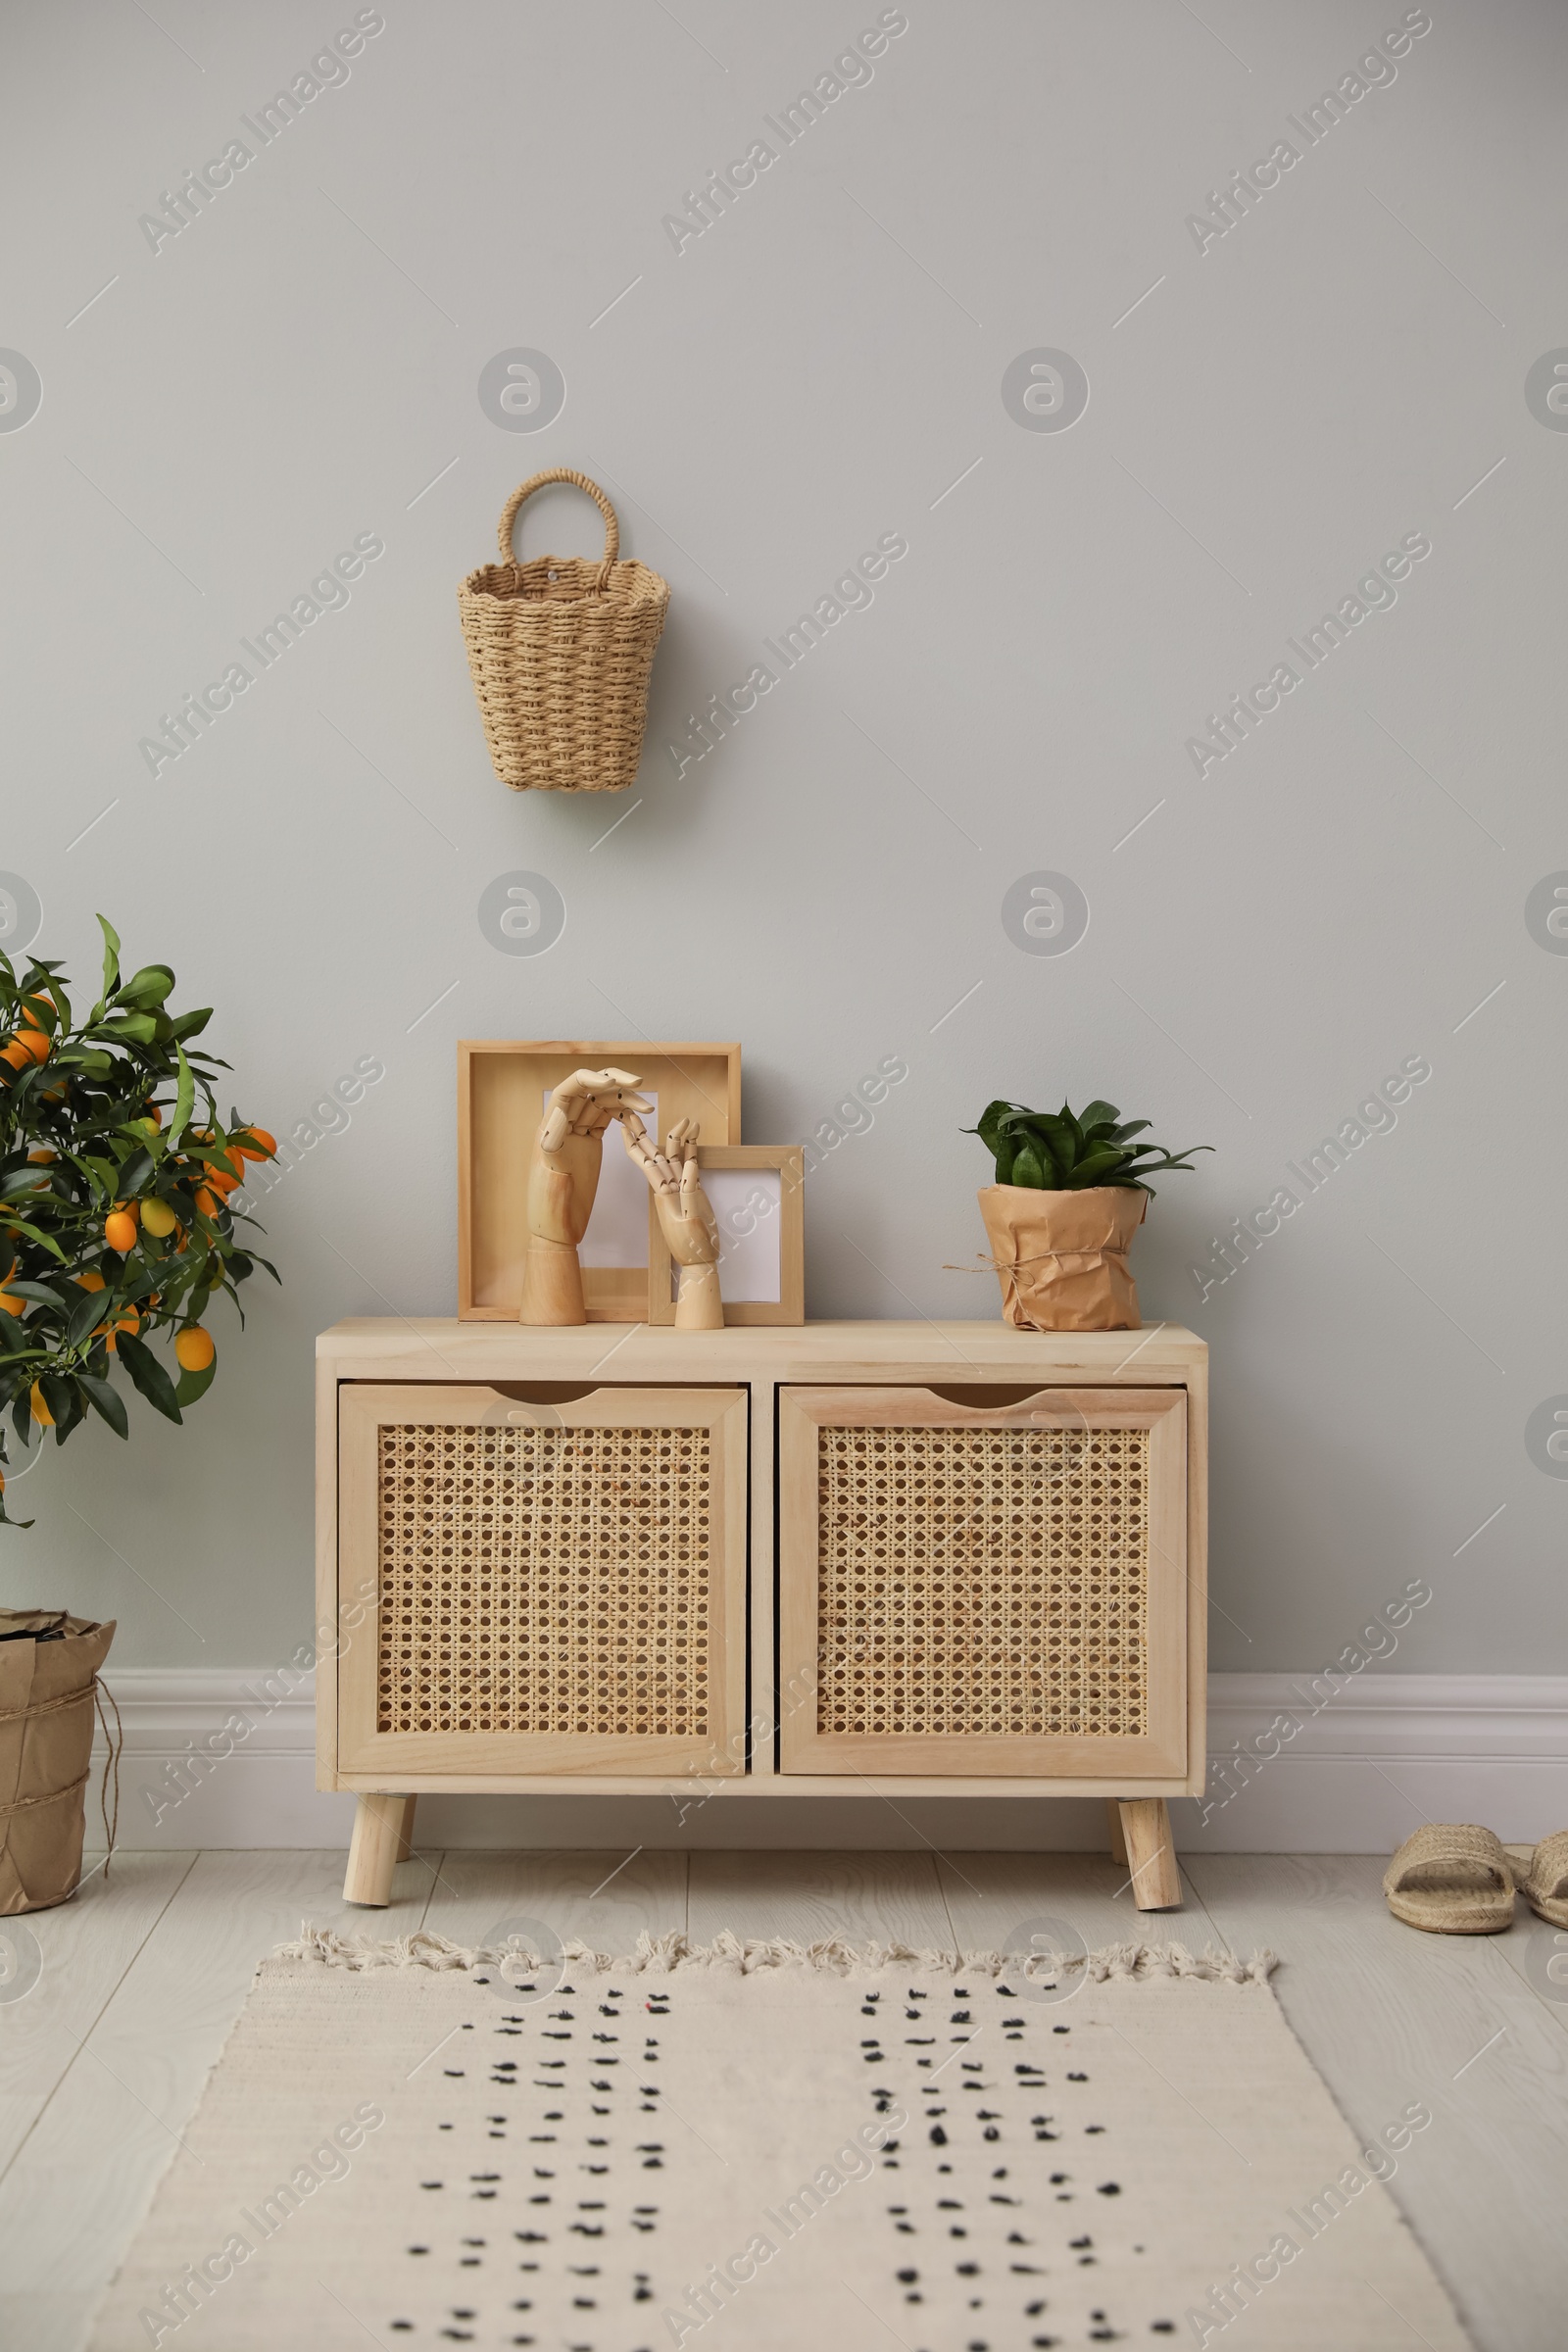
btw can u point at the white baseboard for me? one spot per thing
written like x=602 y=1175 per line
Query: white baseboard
x=1387 y=1752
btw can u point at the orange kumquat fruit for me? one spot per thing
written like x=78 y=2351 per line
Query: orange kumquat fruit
x=194 y=1349
x=119 y=1229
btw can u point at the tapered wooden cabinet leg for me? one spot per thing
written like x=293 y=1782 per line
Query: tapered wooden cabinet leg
x=1119 y=1844
x=406 y=1830
x=381 y=1828
x=1150 y=1855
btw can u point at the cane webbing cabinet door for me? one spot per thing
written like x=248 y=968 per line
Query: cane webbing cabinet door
x=558 y=1587
x=984 y=1589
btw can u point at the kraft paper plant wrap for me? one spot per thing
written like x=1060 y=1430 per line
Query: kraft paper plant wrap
x=1061 y=1256
x=46 y=1726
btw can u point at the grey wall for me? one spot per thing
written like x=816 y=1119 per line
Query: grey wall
x=823 y=367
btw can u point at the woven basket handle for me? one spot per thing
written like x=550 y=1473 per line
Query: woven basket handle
x=578 y=481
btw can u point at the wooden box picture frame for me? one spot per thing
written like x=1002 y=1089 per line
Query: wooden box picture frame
x=758 y=1193
x=503 y=1085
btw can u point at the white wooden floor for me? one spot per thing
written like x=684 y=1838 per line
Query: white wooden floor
x=103 y=2061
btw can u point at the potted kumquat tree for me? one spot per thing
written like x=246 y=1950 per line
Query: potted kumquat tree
x=115 y=1232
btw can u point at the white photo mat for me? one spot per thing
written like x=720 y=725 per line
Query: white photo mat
x=756 y=1194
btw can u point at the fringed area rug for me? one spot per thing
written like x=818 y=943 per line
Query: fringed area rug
x=770 y=2148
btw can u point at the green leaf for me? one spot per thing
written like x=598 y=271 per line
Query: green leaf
x=1049 y=1137
x=1095 y=1111
x=106 y=1401
x=1053 y=1148
x=191 y=1024
x=989 y=1121
x=185 y=1099
x=996 y=1131
x=60 y=1397
x=146 y=989
x=1029 y=1169
x=45 y=1241
x=139 y=1028
x=1150 y=1159
x=149 y=1375
x=6 y=1519
x=38 y=1292
x=87 y=1312
x=196 y=1383
x=75 y=1411
x=135 y=1173
x=111 y=968
x=1055 y=1133
x=1097 y=1167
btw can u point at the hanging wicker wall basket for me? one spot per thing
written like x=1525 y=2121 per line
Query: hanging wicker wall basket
x=560 y=650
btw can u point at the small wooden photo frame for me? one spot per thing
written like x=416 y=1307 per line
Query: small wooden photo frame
x=757 y=1195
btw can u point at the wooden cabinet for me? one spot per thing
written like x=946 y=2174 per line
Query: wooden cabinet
x=932 y=1558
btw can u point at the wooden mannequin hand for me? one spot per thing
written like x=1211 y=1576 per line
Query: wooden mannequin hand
x=685 y=1219
x=563 y=1180
x=563 y=1172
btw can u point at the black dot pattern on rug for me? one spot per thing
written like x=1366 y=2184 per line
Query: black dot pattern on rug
x=535 y=2219
x=555 y=2233
x=985 y=2188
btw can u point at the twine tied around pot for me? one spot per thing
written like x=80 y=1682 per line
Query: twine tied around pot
x=1006 y=1265
x=104 y=1702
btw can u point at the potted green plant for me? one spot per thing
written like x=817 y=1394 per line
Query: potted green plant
x=1071 y=1190
x=115 y=1232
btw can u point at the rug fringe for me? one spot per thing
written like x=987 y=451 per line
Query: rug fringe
x=658 y=1955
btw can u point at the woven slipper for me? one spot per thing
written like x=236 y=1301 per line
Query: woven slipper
x=1452 y=1879
x=1520 y=1858
x=1544 y=1884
